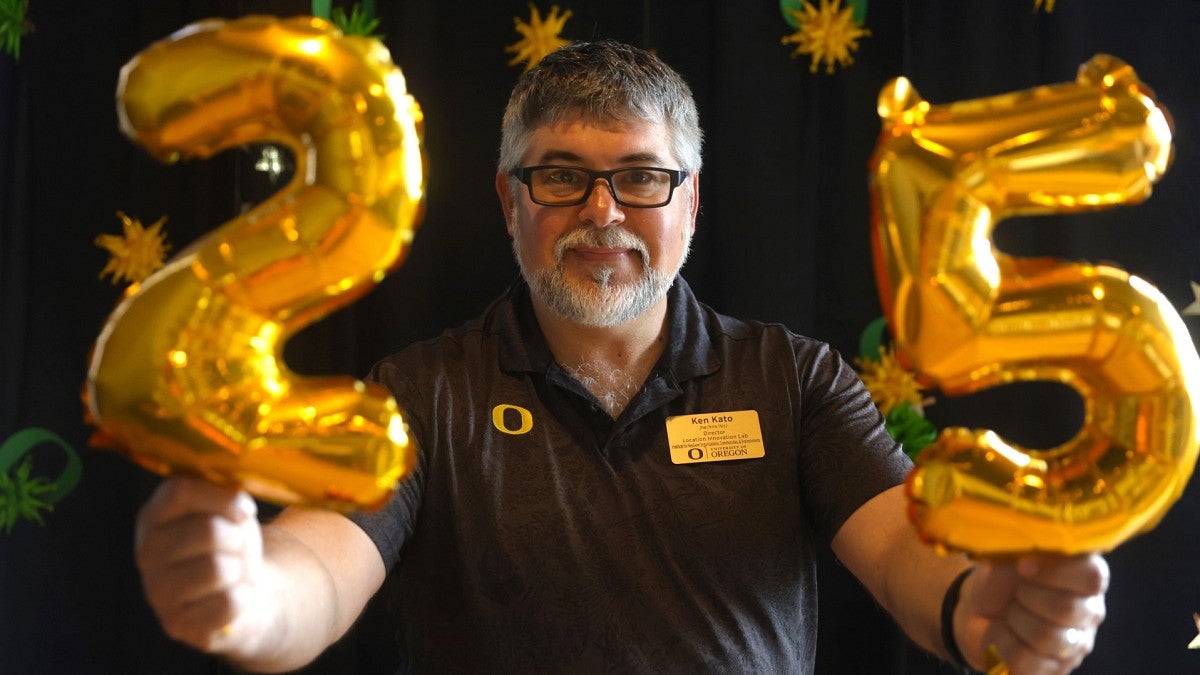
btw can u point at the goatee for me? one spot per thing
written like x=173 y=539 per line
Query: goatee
x=598 y=302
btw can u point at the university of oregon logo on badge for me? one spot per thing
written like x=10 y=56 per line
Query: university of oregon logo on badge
x=715 y=437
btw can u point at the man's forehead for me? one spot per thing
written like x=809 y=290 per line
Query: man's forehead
x=583 y=139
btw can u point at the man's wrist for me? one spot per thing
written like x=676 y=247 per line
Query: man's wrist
x=949 y=604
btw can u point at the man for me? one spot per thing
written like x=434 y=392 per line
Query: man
x=563 y=516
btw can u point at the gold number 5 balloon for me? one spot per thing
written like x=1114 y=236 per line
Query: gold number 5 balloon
x=187 y=374
x=967 y=317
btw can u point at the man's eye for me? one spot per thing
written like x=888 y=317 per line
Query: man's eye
x=562 y=177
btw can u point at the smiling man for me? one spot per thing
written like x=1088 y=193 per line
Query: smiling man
x=611 y=476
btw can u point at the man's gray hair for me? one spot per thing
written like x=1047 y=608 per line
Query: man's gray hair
x=601 y=82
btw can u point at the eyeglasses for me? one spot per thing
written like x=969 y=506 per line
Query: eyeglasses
x=638 y=186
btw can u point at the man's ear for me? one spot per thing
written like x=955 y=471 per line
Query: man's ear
x=505 y=192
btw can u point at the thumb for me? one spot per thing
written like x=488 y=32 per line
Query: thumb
x=990 y=589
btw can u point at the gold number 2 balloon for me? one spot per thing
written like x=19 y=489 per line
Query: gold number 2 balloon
x=187 y=374
x=967 y=317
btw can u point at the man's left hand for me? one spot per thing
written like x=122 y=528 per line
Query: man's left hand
x=1040 y=612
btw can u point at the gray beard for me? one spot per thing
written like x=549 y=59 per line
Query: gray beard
x=599 y=302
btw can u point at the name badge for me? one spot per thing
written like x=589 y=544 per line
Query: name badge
x=715 y=437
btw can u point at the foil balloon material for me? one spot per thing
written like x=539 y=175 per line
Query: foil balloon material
x=967 y=317
x=187 y=374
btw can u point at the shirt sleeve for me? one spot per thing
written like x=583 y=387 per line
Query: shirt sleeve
x=393 y=524
x=847 y=456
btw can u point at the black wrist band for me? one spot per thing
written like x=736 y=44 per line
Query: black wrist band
x=949 y=603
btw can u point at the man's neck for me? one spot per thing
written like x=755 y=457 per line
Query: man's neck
x=612 y=362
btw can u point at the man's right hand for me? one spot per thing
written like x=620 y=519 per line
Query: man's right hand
x=199 y=547
x=267 y=598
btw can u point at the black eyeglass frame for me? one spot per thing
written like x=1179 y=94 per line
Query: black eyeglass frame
x=525 y=175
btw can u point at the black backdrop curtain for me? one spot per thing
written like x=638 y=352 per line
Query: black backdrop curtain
x=783 y=236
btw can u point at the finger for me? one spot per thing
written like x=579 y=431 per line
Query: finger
x=189 y=537
x=1082 y=575
x=1062 y=608
x=1065 y=644
x=169 y=588
x=1020 y=658
x=183 y=495
x=208 y=624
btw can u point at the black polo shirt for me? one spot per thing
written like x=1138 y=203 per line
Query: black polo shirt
x=537 y=534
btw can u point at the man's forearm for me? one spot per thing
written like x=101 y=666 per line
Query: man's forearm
x=915 y=591
x=908 y=578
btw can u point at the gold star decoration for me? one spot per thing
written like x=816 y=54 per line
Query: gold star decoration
x=1040 y=4
x=135 y=255
x=1194 y=308
x=539 y=37
x=828 y=34
x=1195 y=643
x=888 y=382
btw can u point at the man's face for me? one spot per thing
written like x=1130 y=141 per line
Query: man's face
x=599 y=263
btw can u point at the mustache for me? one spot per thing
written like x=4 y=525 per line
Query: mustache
x=609 y=237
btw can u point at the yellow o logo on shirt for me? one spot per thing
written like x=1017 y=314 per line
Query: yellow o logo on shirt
x=498 y=419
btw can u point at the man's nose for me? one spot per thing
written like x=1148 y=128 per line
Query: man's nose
x=601 y=207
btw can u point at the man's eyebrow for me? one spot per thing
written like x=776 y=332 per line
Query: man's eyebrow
x=552 y=156
x=642 y=158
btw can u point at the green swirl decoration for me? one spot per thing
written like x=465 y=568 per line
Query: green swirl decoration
x=24 y=495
